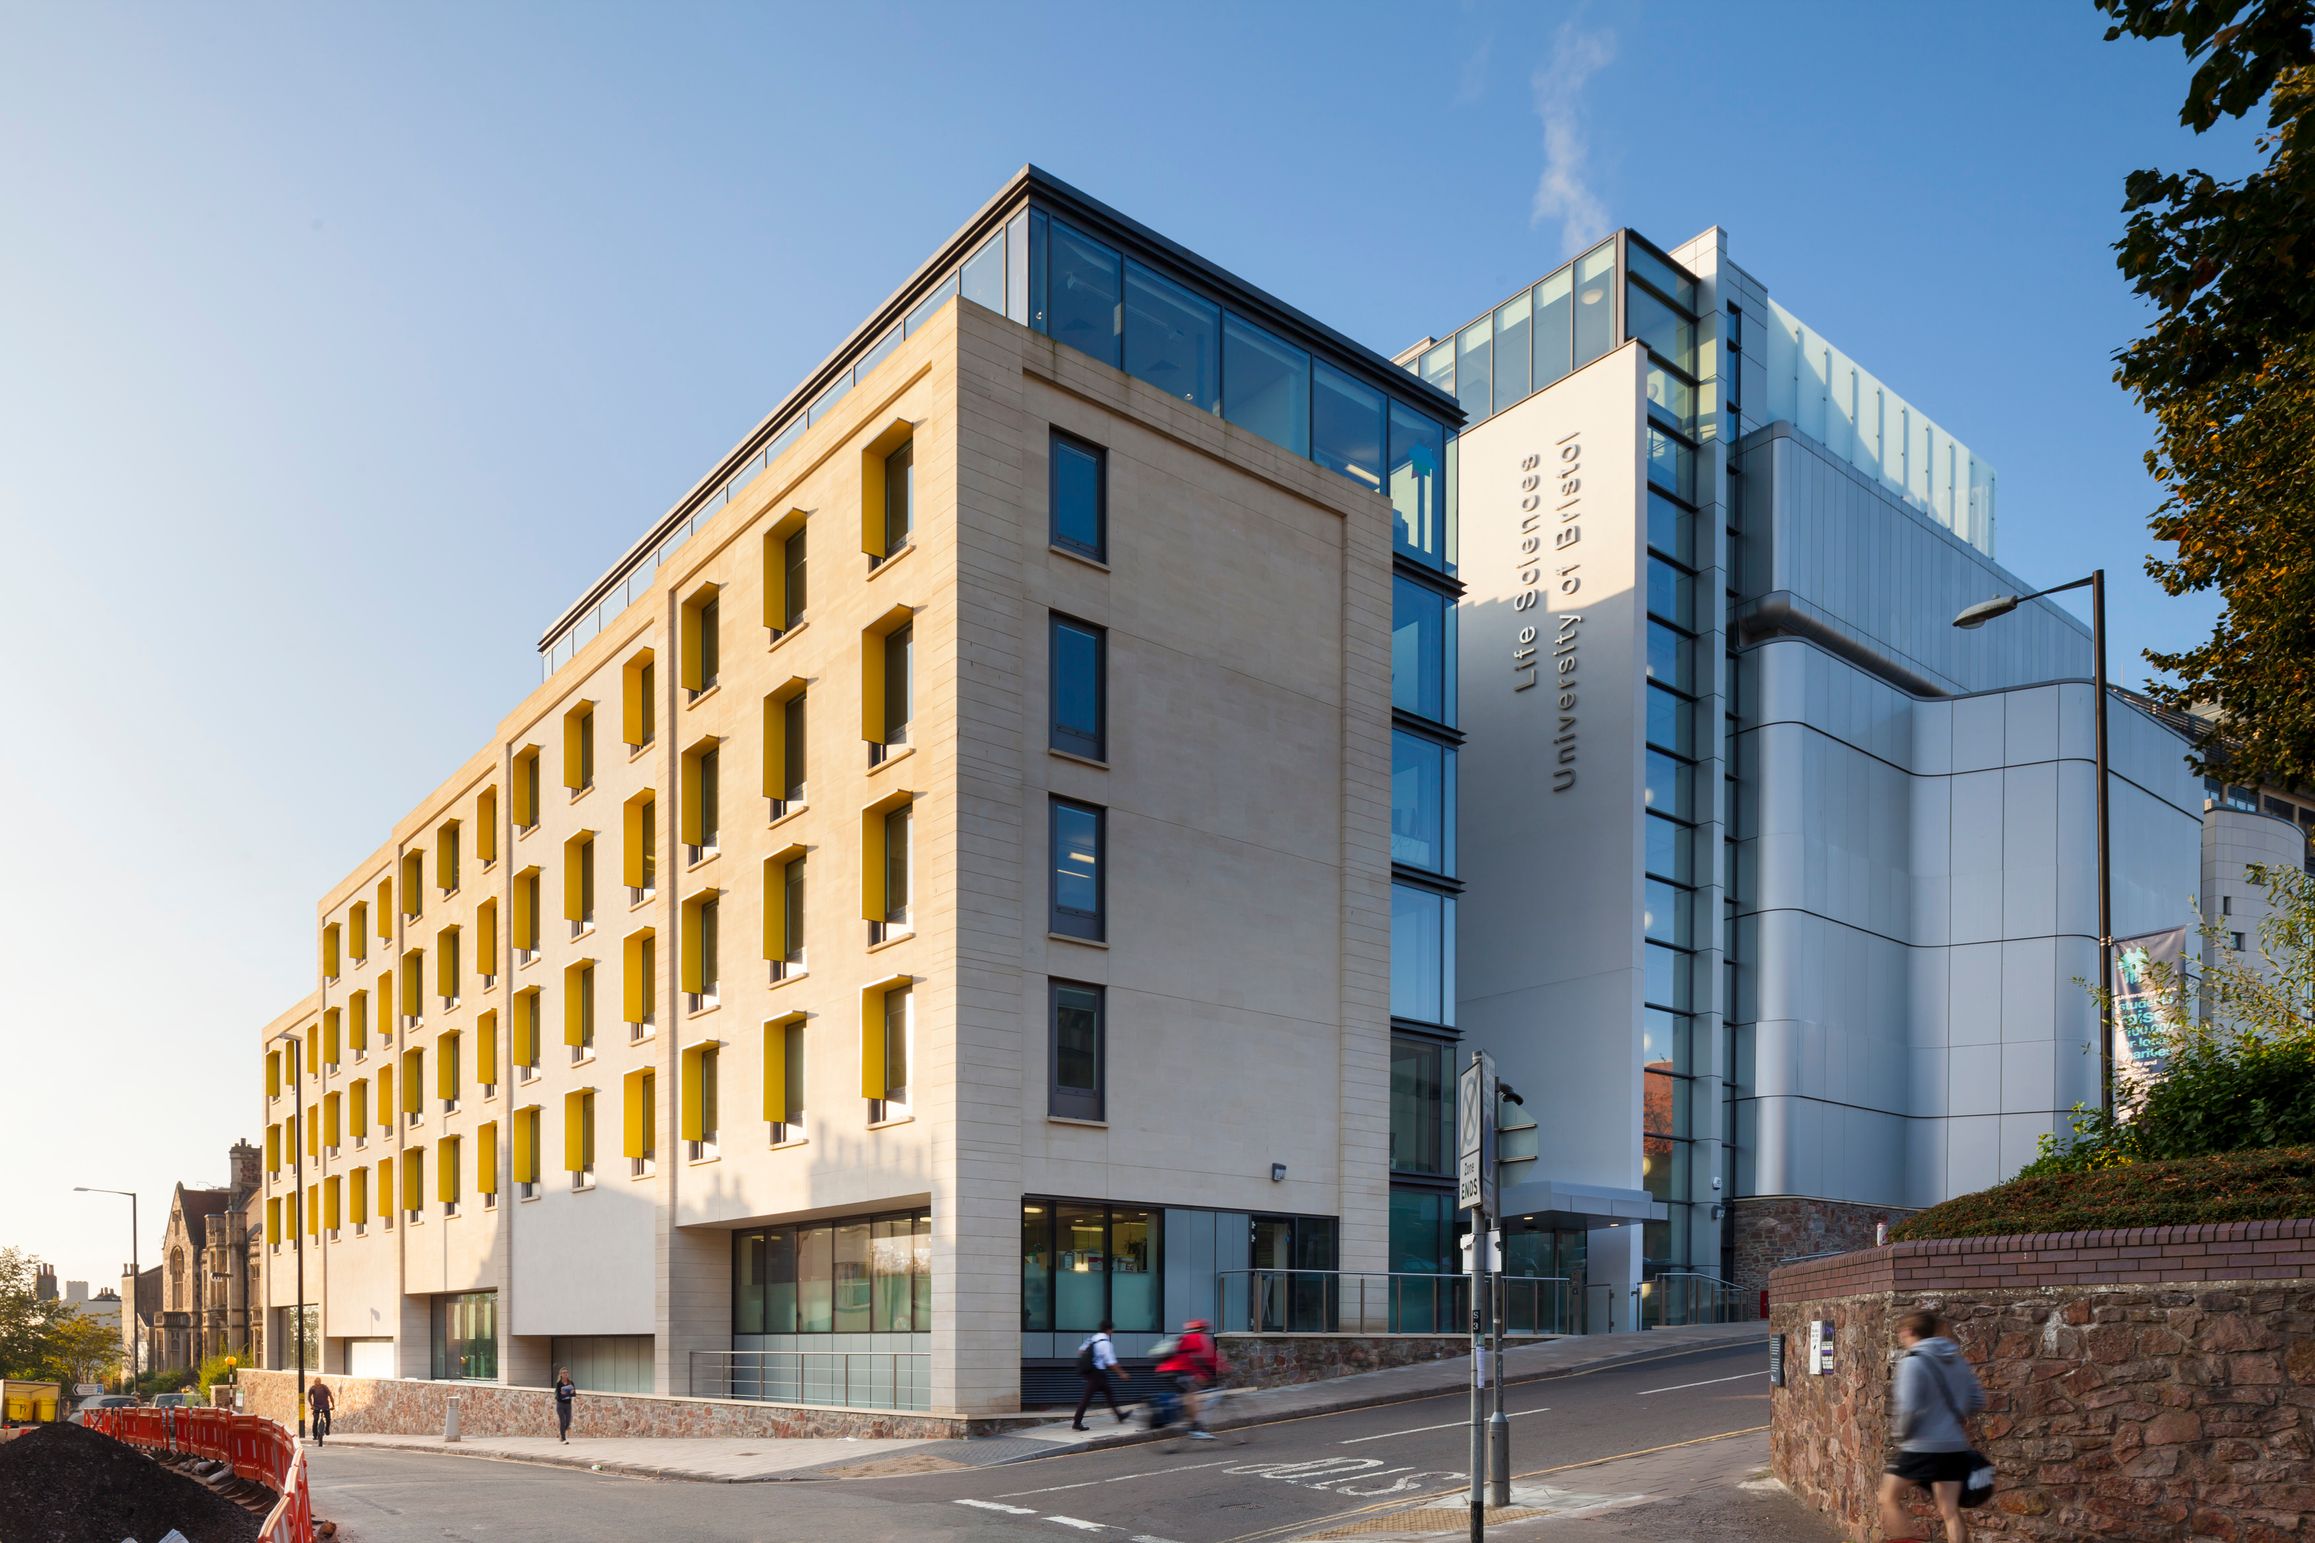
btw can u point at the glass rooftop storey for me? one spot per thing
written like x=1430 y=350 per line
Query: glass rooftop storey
x=1627 y=287
x=1053 y=259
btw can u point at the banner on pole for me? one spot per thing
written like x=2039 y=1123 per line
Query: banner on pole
x=2142 y=1014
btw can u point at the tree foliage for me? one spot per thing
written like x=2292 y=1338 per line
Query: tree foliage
x=2238 y=1041
x=51 y=1340
x=2227 y=369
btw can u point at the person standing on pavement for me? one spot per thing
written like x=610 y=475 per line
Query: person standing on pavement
x=322 y=1400
x=566 y=1398
x=1933 y=1394
x=1097 y=1365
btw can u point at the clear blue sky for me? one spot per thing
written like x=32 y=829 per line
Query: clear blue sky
x=342 y=346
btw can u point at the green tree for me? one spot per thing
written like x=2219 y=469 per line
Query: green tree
x=2227 y=369
x=51 y=1340
x=2237 y=1032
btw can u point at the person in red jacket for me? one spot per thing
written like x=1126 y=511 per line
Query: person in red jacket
x=1195 y=1365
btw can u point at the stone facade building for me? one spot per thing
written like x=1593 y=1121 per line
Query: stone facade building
x=196 y=1302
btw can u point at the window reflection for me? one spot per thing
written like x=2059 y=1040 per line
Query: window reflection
x=1475 y=368
x=1422 y=955
x=1173 y=339
x=1595 y=303
x=1418 y=494
x=1265 y=385
x=1083 y=294
x=1346 y=425
x=1423 y=659
x=1422 y=803
x=1514 y=340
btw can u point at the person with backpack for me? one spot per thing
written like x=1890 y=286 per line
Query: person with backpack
x=1097 y=1366
x=1931 y=1398
x=1194 y=1365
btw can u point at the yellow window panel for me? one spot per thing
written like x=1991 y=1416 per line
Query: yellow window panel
x=386 y=1190
x=332 y=1118
x=635 y=1129
x=414 y=1081
x=486 y=826
x=872 y=459
x=446 y=1065
x=385 y=1098
x=272 y=1075
x=313 y=1134
x=526 y=909
x=386 y=909
x=446 y=962
x=313 y=1210
x=697 y=647
x=273 y=1148
x=330 y=1203
x=578 y=984
x=694 y=940
x=638 y=679
x=385 y=1004
x=872 y=1083
x=692 y=1117
x=776 y=569
x=413 y=883
x=872 y=864
x=273 y=1219
x=330 y=951
x=578 y=852
x=576 y=1154
x=486 y=1048
x=526 y=1028
x=691 y=809
x=414 y=1179
x=358 y=930
x=330 y=1036
x=578 y=757
x=446 y=1170
x=358 y=1020
x=526 y=1145
x=636 y=841
x=638 y=975
x=414 y=983
x=486 y=1157
x=779 y=1104
x=486 y=950
x=358 y=1197
x=358 y=1108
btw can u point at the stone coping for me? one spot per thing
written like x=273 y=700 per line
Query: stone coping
x=2206 y=1251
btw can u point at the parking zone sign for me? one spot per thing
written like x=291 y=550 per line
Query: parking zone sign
x=1475 y=1136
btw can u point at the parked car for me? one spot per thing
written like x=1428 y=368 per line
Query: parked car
x=174 y=1401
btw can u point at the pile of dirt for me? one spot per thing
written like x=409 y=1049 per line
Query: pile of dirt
x=69 y=1484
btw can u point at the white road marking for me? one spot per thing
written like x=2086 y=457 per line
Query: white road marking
x=1079 y=1523
x=1509 y=1414
x=991 y=1505
x=1154 y=1473
x=1714 y=1382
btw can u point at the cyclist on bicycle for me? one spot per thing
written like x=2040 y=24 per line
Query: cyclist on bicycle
x=1195 y=1365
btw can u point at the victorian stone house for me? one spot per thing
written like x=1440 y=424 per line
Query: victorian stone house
x=200 y=1305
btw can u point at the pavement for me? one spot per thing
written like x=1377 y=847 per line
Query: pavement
x=1668 y=1445
x=742 y=1459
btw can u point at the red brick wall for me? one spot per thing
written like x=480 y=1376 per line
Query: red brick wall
x=2145 y=1384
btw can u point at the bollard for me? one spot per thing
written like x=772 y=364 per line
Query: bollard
x=450 y=1418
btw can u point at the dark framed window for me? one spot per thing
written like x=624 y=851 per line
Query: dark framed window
x=898 y=825
x=1077 y=833
x=899 y=688
x=1078 y=1014
x=899 y=497
x=1422 y=1100
x=1086 y=1261
x=1080 y=694
x=466 y=1336
x=857 y=1275
x=792 y=749
x=1080 y=496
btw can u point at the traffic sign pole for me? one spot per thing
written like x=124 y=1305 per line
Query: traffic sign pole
x=1475 y=1193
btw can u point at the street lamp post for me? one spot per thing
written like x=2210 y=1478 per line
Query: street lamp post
x=136 y=1339
x=2001 y=605
x=297 y=1237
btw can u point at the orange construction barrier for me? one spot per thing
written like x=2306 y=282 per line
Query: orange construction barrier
x=256 y=1448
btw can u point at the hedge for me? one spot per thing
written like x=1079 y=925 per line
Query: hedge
x=2273 y=1184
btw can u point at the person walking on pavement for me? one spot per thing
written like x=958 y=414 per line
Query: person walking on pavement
x=1933 y=1395
x=566 y=1397
x=319 y=1396
x=1195 y=1365
x=1097 y=1365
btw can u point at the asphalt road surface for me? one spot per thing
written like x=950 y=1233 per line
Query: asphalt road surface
x=1276 y=1480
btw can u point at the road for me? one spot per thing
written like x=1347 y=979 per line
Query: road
x=1276 y=1480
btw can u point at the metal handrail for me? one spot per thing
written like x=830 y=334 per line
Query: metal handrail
x=855 y=1379
x=1691 y=1296
x=1386 y=1302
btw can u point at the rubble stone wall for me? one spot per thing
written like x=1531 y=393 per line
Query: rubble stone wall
x=2153 y=1383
